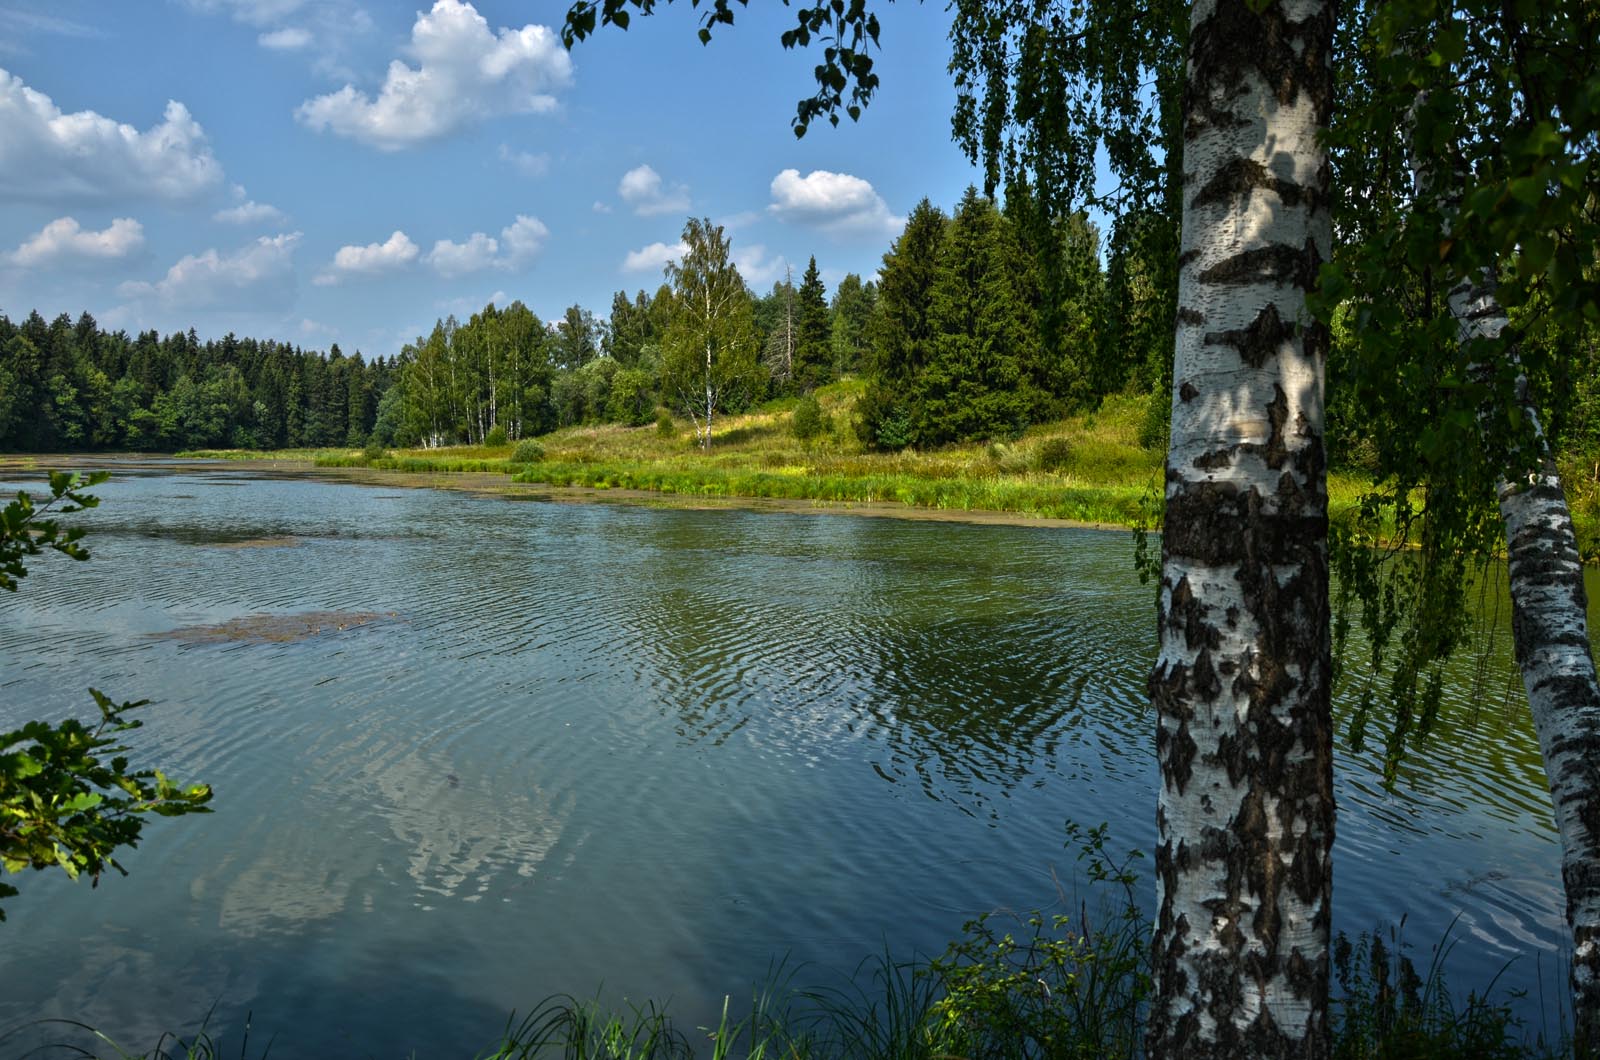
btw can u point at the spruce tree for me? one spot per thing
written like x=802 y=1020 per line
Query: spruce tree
x=900 y=334
x=813 y=346
x=985 y=335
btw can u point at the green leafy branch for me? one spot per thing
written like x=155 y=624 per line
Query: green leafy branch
x=62 y=803
x=847 y=30
x=24 y=532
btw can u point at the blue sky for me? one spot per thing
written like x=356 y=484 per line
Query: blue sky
x=347 y=171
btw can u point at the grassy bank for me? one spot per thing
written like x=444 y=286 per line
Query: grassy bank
x=1089 y=468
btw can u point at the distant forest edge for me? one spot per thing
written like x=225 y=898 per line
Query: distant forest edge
x=979 y=325
x=971 y=331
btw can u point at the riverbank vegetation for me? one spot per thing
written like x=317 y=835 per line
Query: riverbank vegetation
x=1088 y=467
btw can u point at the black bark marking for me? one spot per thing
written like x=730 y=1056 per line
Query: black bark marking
x=1213 y=460
x=1174 y=746
x=1241 y=176
x=1291 y=57
x=1188 y=391
x=1277 y=263
x=1201 y=114
x=1189 y=615
x=1217 y=524
x=1277 y=451
x=1204 y=678
x=1259 y=342
x=1192 y=317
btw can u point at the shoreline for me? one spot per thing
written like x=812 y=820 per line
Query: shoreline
x=503 y=484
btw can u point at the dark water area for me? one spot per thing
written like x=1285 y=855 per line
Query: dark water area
x=602 y=748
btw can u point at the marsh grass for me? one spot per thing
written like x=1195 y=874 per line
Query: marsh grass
x=1053 y=988
x=1385 y=1008
x=78 y=1039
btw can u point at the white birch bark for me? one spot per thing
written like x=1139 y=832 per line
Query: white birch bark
x=1241 y=683
x=1550 y=628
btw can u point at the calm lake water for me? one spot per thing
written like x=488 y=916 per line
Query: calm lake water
x=644 y=751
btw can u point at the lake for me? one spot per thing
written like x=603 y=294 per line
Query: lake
x=640 y=751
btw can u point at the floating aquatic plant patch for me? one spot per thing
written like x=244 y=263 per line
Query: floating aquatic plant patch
x=278 y=541
x=276 y=628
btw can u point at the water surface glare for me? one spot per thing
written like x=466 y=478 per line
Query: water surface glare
x=575 y=746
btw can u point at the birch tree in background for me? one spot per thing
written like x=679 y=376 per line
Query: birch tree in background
x=709 y=349
x=1550 y=633
x=1498 y=224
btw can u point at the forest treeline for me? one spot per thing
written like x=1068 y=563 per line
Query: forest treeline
x=980 y=323
x=974 y=328
x=69 y=385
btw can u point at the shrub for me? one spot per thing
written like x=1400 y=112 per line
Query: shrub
x=1066 y=986
x=1153 y=431
x=496 y=437
x=1053 y=454
x=806 y=420
x=527 y=451
x=630 y=400
x=881 y=421
x=373 y=453
x=664 y=425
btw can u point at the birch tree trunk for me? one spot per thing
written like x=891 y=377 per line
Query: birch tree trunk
x=711 y=395
x=1550 y=629
x=1241 y=683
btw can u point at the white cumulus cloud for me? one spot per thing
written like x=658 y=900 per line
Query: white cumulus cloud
x=522 y=239
x=833 y=202
x=255 y=12
x=519 y=243
x=48 y=156
x=642 y=189
x=64 y=240
x=453 y=259
x=525 y=162
x=396 y=252
x=653 y=258
x=287 y=39
x=250 y=212
x=258 y=275
x=464 y=73
x=757 y=269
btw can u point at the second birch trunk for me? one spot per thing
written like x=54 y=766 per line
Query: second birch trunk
x=1550 y=629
